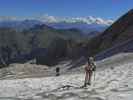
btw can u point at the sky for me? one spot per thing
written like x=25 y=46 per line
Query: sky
x=107 y=9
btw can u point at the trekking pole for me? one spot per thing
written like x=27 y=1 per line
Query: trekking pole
x=94 y=73
x=94 y=76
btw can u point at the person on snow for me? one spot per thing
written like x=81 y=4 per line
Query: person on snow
x=57 y=71
x=89 y=69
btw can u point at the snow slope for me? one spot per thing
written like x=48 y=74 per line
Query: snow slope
x=113 y=82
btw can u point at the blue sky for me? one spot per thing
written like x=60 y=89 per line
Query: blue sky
x=107 y=9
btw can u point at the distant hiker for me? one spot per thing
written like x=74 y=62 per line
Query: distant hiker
x=89 y=68
x=57 y=71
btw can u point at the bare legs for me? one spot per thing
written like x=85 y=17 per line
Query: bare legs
x=88 y=75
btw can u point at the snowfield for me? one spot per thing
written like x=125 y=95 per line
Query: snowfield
x=111 y=83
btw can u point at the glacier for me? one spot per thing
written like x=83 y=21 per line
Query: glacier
x=112 y=82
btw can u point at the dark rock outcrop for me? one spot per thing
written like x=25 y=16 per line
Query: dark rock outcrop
x=118 y=32
x=117 y=38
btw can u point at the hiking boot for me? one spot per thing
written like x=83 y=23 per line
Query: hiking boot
x=88 y=83
x=85 y=85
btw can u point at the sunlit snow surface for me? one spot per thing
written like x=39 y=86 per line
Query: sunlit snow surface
x=112 y=83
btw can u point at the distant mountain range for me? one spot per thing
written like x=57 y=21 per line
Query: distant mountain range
x=85 y=24
x=51 y=38
x=85 y=20
x=48 y=39
x=41 y=42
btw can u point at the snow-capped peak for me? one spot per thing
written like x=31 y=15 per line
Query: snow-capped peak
x=53 y=19
x=47 y=18
x=87 y=20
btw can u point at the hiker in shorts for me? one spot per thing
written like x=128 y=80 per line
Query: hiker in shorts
x=89 y=69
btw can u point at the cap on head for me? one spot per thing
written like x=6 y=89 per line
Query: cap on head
x=91 y=59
